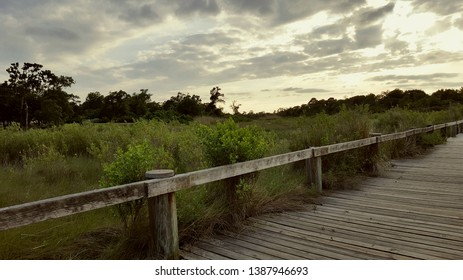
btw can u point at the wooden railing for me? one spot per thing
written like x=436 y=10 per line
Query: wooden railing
x=160 y=193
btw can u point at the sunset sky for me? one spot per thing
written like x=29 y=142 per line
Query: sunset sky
x=264 y=54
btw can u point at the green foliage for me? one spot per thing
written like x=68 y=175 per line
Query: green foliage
x=227 y=143
x=323 y=129
x=130 y=166
x=397 y=120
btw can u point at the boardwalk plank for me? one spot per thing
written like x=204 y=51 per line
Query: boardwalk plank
x=387 y=243
x=408 y=226
x=413 y=240
x=412 y=210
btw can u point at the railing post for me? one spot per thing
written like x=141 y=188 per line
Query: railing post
x=373 y=153
x=431 y=131
x=454 y=130
x=314 y=167
x=162 y=212
x=443 y=132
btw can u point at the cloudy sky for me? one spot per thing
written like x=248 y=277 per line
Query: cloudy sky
x=265 y=54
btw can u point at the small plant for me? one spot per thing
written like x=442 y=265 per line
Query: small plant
x=130 y=166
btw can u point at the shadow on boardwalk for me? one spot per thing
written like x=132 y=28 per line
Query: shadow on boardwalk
x=414 y=210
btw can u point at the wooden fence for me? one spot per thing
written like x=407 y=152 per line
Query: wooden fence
x=160 y=193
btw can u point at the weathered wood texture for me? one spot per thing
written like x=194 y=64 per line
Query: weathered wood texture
x=413 y=210
x=162 y=212
x=28 y=213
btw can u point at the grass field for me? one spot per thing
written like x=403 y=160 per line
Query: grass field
x=39 y=164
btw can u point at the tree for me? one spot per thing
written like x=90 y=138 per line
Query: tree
x=116 y=107
x=235 y=107
x=185 y=104
x=29 y=82
x=216 y=97
x=391 y=99
x=9 y=105
x=138 y=103
x=91 y=108
x=56 y=107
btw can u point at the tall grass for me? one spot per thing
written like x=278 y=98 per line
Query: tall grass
x=323 y=129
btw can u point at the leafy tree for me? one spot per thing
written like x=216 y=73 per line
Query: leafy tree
x=391 y=99
x=93 y=105
x=138 y=103
x=29 y=82
x=447 y=97
x=116 y=107
x=185 y=104
x=9 y=106
x=56 y=107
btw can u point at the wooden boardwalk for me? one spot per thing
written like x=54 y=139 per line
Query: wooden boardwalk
x=414 y=210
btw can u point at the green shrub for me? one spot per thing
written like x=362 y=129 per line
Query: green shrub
x=130 y=166
x=227 y=143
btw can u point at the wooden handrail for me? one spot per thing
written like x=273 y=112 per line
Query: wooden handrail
x=33 y=212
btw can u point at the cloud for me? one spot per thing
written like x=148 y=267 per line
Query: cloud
x=276 y=12
x=201 y=7
x=373 y=15
x=210 y=39
x=331 y=30
x=328 y=47
x=407 y=78
x=438 y=57
x=396 y=46
x=145 y=14
x=441 y=7
x=440 y=26
x=458 y=23
x=368 y=37
x=305 y=90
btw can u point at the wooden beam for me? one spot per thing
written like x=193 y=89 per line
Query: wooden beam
x=392 y=136
x=183 y=181
x=162 y=212
x=335 y=148
x=37 y=211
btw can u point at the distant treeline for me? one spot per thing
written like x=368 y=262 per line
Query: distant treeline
x=34 y=96
x=410 y=99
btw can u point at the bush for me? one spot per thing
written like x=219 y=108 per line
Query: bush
x=130 y=166
x=227 y=143
x=398 y=120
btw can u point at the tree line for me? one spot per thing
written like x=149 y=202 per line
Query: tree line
x=415 y=99
x=33 y=95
